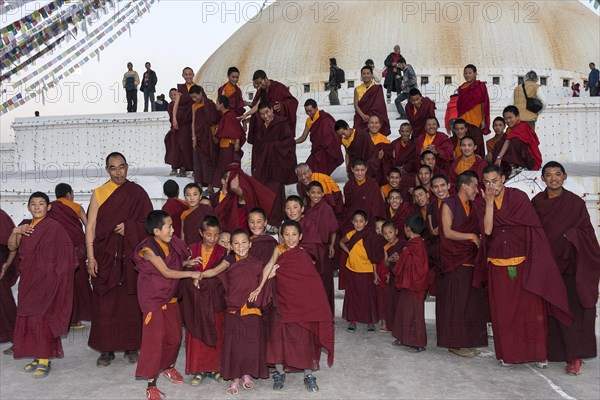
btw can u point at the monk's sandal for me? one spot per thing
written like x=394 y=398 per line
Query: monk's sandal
x=310 y=382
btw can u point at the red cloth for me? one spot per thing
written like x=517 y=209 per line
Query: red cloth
x=302 y=300
x=373 y=103
x=477 y=167
x=229 y=127
x=191 y=225
x=263 y=247
x=276 y=93
x=45 y=299
x=409 y=321
x=334 y=199
x=443 y=146
x=573 y=241
x=384 y=164
x=8 y=307
x=183 y=134
x=455 y=253
x=200 y=357
x=418 y=120
x=412 y=268
x=255 y=195
x=318 y=224
x=206 y=152
x=404 y=155
x=326 y=151
x=470 y=97
x=171 y=145
x=451 y=112
x=525 y=134
x=540 y=274
x=405 y=210
x=236 y=101
x=391 y=293
x=153 y=289
x=274 y=152
x=82 y=294
x=366 y=197
x=161 y=340
x=174 y=207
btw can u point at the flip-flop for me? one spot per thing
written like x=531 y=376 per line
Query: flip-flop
x=247 y=382
x=42 y=370
x=198 y=379
x=32 y=366
x=416 y=349
x=216 y=376
x=234 y=388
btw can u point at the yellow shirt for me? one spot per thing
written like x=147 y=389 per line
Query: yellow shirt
x=187 y=212
x=379 y=138
x=310 y=121
x=428 y=140
x=205 y=254
x=348 y=142
x=362 y=89
x=35 y=222
x=105 y=191
x=474 y=116
x=358 y=261
x=464 y=164
x=72 y=205
x=385 y=190
x=228 y=89
x=329 y=185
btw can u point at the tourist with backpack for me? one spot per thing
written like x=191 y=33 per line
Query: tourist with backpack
x=337 y=76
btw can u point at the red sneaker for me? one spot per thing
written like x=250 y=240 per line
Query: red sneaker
x=152 y=393
x=574 y=367
x=173 y=375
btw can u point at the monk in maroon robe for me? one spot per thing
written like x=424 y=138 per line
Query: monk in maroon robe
x=461 y=309
x=274 y=157
x=519 y=147
x=575 y=248
x=410 y=278
x=171 y=144
x=468 y=161
x=262 y=244
x=68 y=214
x=473 y=104
x=174 y=206
x=193 y=217
x=358 y=145
x=392 y=254
x=332 y=193
x=418 y=109
x=404 y=149
x=205 y=118
x=326 y=151
x=231 y=137
x=116 y=216
x=383 y=157
x=461 y=129
x=399 y=210
x=8 y=277
x=233 y=92
x=436 y=142
x=524 y=281
x=369 y=101
x=47 y=266
x=182 y=123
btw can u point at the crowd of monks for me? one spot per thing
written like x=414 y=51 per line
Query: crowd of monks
x=424 y=215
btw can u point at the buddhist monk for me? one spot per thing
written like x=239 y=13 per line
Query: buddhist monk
x=115 y=226
x=205 y=119
x=460 y=129
x=174 y=206
x=398 y=209
x=473 y=103
x=461 y=309
x=394 y=179
x=8 y=277
x=358 y=145
x=468 y=161
x=575 y=248
x=232 y=91
x=524 y=282
x=182 y=123
x=418 y=109
x=274 y=157
x=46 y=269
x=499 y=126
x=404 y=148
x=73 y=219
x=230 y=136
x=194 y=215
x=383 y=148
x=332 y=193
x=369 y=101
x=262 y=244
x=171 y=144
x=436 y=142
x=392 y=249
x=326 y=151
x=520 y=148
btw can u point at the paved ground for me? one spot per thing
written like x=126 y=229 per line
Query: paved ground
x=366 y=366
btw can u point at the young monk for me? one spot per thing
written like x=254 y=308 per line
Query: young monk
x=205 y=119
x=398 y=210
x=182 y=123
x=225 y=241
x=468 y=161
x=174 y=206
x=8 y=278
x=243 y=354
x=45 y=301
x=365 y=249
x=410 y=275
x=369 y=101
x=461 y=129
x=392 y=249
x=404 y=148
x=418 y=110
x=499 y=126
x=231 y=90
x=193 y=217
x=203 y=309
x=159 y=259
x=436 y=142
x=230 y=136
x=262 y=244
x=332 y=193
x=73 y=219
x=358 y=145
x=171 y=143
x=394 y=177
x=473 y=103
x=302 y=311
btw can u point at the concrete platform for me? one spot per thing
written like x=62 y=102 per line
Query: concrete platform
x=366 y=366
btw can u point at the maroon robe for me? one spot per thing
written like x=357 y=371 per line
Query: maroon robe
x=191 y=224
x=362 y=147
x=171 y=144
x=206 y=152
x=161 y=333
x=229 y=128
x=274 y=161
x=8 y=307
x=575 y=248
x=366 y=197
x=230 y=212
x=411 y=279
x=461 y=310
x=45 y=299
x=373 y=103
x=236 y=100
x=405 y=210
x=263 y=247
x=404 y=155
x=384 y=164
x=183 y=135
x=472 y=96
x=477 y=167
x=326 y=151
x=391 y=292
x=203 y=310
x=519 y=306
x=303 y=323
x=82 y=293
x=115 y=306
x=443 y=146
x=526 y=152
x=174 y=207
x=417 y=120
x=244 y=340
x=334 y=199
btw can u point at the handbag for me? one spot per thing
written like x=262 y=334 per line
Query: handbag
x=532 y=104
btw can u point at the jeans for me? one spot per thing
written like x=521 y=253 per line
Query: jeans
x=131 y=100
x=401 y=97
x=334 y=99
x=149 y=96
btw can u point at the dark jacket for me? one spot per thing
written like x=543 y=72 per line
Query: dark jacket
x=149 y=85
x=390 y=82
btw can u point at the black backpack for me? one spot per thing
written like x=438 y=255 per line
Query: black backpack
x=340 y=75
